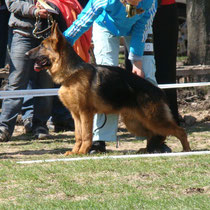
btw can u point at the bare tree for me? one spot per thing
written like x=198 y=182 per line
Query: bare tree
x=198 y=25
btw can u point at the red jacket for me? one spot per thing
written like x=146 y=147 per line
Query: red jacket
x=167 y=2
x=70 y=9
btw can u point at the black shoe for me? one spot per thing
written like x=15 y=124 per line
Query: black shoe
x=28 y=125
x=4 y=135
x=66 y=125
x=163 y=148
x=41 y=132
x=97 y=147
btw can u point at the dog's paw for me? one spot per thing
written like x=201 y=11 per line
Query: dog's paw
x=68 y=153
x=187 y=150
x=142 y=151
x=82 y=152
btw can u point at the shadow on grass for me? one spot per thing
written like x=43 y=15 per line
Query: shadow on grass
x=52 y=139
x=24 y=140
x=198 y=127
x=9 y=155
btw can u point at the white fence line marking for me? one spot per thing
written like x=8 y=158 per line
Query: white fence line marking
x=117 y=157
x=184 y=85
x=23 y=93
x=54 y=91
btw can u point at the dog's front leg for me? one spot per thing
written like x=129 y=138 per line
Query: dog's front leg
x=87 y=132
x=78 y=135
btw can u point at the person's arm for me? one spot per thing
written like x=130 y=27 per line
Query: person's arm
x=139 y=36
x=25 y=9
x=85 y=19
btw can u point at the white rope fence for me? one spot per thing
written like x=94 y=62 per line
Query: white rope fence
x=54 y=91
x=117 y=157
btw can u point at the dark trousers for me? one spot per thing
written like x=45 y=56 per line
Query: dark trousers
x=165 y=31
x=4 y=17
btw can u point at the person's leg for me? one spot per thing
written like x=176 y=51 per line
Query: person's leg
x=42 y=105
x=106 y=50
x=4 y=17
x=61 y=117
x=165 y=29
x=28 y=110
x=37 y=110
x=20 y=69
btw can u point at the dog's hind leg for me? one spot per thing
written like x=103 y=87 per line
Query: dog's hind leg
x=135 y=127
x=154 y=143
x=78 y=135
x=167 y=128
x=87 y=131
x=182 y=136
x=158 y=118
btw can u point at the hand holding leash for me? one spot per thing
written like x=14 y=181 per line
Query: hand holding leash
x=41 y=11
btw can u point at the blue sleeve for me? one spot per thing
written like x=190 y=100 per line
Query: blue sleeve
x=85 y=19
x=140 y=30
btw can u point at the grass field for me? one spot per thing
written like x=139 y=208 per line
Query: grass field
x=140 y=183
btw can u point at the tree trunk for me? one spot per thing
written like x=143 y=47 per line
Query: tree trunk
x=198 y=26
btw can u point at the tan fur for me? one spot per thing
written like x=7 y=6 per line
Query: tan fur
x=83 y=102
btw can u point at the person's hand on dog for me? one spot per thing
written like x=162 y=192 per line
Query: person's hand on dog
x=137 y=69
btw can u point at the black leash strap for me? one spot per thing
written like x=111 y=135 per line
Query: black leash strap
x=102 y=124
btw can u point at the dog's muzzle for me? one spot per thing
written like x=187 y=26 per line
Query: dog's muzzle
x=41 y=63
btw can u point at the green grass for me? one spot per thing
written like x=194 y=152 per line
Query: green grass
x=182 y=58
x=138 y=183
x=157 y=183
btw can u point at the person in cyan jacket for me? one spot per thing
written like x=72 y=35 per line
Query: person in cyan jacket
x=110 y=22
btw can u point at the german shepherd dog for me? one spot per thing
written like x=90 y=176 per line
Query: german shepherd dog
x=88 y=89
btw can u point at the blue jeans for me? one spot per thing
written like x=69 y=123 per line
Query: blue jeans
x=60 y=113
x=21 y=71
x=27 y=110
x=106 y=51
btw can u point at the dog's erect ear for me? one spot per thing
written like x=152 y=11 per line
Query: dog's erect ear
x=56 y=33
x=53 y=26
x=56 y=36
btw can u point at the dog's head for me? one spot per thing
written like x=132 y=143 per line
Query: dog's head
x=48 y=52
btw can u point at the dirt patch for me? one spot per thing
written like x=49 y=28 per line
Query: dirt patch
x=194 y=102
x=194 y=109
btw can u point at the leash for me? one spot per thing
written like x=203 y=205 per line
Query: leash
x=131 y=9
x=102 y=124
x=45 y=32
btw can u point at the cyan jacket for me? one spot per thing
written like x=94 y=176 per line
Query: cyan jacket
x=111 y=14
